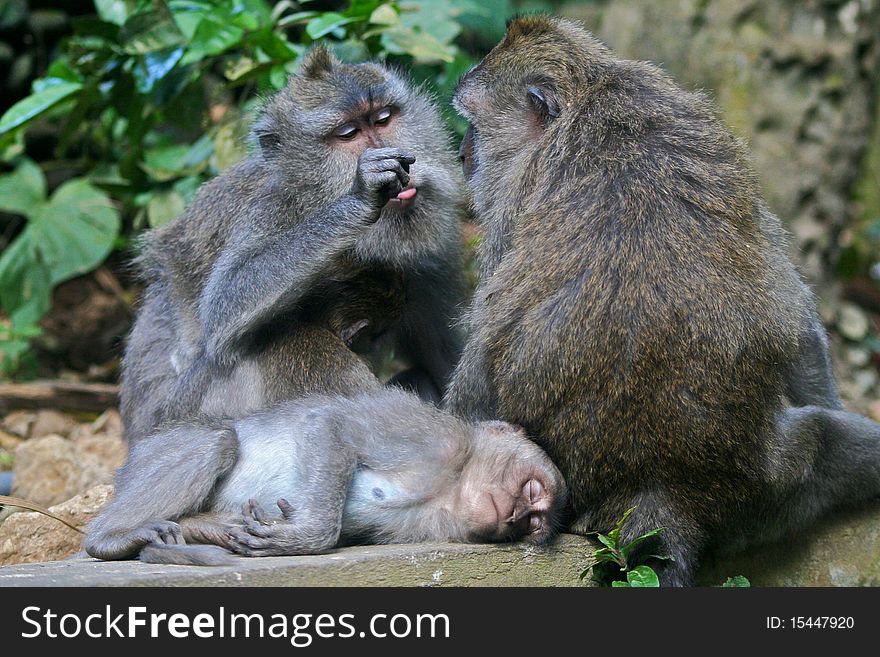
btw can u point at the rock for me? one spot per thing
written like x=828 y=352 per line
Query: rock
x=9 y=441
x=852 y=322
x=30 y=537
x=49 y=422
x=841 y=550
x=19 y=423
x=52 y=469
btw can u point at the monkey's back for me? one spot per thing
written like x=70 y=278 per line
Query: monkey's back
x=646 y=305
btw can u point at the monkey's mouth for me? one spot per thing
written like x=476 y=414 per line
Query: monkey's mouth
x=404 y=199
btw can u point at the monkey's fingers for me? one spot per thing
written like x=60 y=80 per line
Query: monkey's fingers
x=286 y=509
x=163 y=531
x=255 y=528
x=244 y=543
x=404 y=157
x=380 y=171
x=252 y=509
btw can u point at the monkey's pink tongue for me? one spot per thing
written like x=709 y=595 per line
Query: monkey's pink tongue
x=407 y=194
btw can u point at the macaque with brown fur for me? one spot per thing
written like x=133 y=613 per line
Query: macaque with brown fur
x=382 y=466
x=638 y=313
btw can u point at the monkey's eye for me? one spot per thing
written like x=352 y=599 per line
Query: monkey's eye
x=382 y=117
x=346 y=132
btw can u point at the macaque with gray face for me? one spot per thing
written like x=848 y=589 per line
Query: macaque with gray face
x=352 y=178
x=306 y=476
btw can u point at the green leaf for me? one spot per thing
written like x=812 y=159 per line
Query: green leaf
x=421 y=46
x=615 y=533
x=153 y=67
x=384 y=15
x=326 y=23
x=22 y=190
x=298 y=17
x=619 y=585
x=607 y=541
x=737 y=582
x=25 y=285
x=643 y=577
x=212 y=37
x=61 y=69
x=36 y=104
x=434 y=17
x=633 y=544
x=115 y=11
x=74 y=231
x=166 y=162
x=361 y=9
x=164 y=207
x=149 y=31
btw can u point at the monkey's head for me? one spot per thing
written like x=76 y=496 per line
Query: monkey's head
x=312 y=133
x=509 y=488
x=515 y=97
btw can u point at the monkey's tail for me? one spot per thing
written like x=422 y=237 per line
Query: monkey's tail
x=186 y=555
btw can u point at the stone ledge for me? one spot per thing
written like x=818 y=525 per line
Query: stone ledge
x=425 y=564
x=840 y=551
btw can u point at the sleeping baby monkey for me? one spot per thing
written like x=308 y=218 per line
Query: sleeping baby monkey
x=381 y=466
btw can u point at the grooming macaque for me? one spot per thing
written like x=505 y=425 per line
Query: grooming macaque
x=637 y=313
x=382 y=466
x=352 y=177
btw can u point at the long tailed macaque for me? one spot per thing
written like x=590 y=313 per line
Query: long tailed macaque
x=352 y=176
x=638 y=313
x=308 y=475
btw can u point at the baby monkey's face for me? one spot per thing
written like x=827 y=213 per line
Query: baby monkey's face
x=509 y=489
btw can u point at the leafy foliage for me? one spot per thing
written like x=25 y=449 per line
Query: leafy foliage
x=616 y=566
x=615 y=563
x=147 y=99
x=737 y=582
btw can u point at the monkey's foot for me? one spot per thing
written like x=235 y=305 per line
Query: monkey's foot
x=127 y=544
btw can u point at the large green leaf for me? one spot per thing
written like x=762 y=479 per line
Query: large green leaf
x=212 y=37
x=327 y=23
x=149 y=31
x=74 y=231
x=23 y=189
x=642 y=577
x=25 y=282
x=153 y=67
x=115 y=11
x=164 y=207
x=170 y=161
x=36 y=104
x=433 y=17
x=421 y=46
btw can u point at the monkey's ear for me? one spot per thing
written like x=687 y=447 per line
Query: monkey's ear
x=544 y=100
x=317 y=62
x=266 y=136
